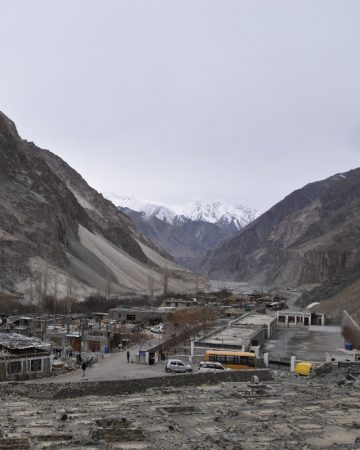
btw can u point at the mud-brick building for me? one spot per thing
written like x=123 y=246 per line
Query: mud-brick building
x=23 y=358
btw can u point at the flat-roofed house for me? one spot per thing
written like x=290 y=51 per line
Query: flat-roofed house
x=22 y=357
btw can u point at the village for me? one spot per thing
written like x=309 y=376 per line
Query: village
x=136 y=341
x=126 y=400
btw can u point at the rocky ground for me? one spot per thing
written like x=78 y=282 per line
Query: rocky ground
x=286 y=413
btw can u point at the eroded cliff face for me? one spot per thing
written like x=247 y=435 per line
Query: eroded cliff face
x=54 y=225
x=114 y=225
x=37 y=212
x=309 y=237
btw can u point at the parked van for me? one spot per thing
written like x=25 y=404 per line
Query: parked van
x=304 y=368
x=208 y=366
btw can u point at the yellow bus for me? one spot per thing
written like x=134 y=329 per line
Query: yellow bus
x=232 y=359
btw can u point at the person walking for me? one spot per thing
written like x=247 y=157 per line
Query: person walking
x=128 y=356
x=83 y=366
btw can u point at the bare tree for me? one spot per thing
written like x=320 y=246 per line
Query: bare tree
x=55 y=295
x=166 y=280
x=197 y=283
x=46 y=279
x=183 y=319
x=151 y=283
x=38 y=286
x=69 y=287
x=108 y=285
x=31 y=293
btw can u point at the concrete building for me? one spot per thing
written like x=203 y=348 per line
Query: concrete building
x=263 y=321
x=89 y=342
x=232 y=337
x=243 y=334
x=179 y=303
x=232 y=312
x=139 y=315
x=343 y=355
x=22 y=357
x=292 y=318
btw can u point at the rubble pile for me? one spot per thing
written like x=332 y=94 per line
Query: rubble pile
x=286 y=414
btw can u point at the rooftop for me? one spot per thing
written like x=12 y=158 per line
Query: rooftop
x=230 y=336
x=254 y=319
x=14 y=341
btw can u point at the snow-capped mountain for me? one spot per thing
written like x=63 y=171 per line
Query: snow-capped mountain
x=186 y=231
x=215 y=212
x=149 y=208
x=211 y=212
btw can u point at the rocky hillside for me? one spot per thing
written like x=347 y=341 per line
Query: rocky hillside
x=187 y=231
x=58 y=235
x=312 y=237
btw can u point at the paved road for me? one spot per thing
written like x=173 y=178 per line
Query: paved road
x=113 y=366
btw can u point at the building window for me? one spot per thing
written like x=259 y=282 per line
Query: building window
x=14 y=367
x=130 y=317
x=36 y=365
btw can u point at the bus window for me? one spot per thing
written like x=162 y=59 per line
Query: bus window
x=232 y=359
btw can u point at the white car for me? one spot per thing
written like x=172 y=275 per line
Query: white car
x=208 y=366
x=176 y=365
x=158 y=329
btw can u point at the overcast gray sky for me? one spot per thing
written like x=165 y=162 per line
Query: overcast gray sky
x=242 y=101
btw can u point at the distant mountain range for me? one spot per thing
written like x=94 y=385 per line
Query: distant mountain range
x=186 y=231
x=59 y=236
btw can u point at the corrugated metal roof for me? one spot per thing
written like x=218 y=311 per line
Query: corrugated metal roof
x=15 y=341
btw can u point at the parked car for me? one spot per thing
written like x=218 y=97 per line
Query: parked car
x=158 y=329
x=176 y=365
x=208 y=366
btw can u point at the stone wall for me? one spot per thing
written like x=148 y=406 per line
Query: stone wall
x=126 y=387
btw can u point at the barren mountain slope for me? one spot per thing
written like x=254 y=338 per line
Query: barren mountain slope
x=55 y=228
x=311 y=236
